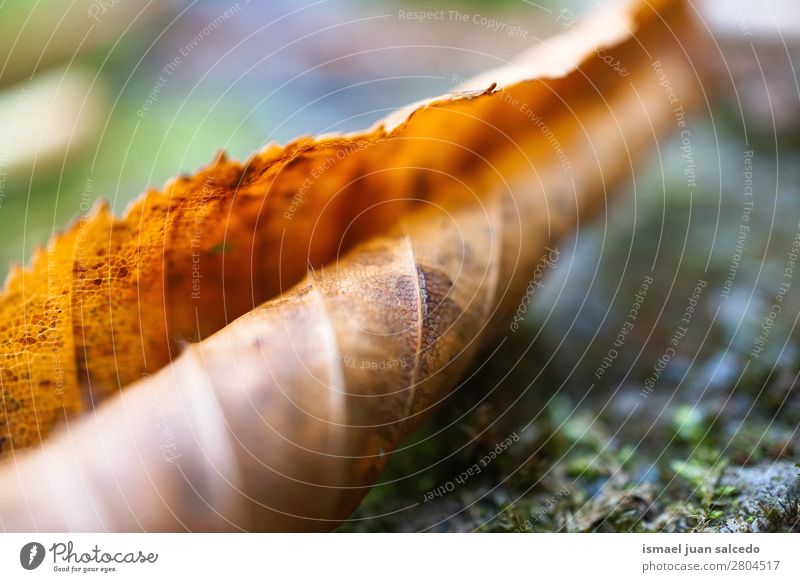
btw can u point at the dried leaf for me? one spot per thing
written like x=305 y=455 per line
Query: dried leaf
x=369 y=268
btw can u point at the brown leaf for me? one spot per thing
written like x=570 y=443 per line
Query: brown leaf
x=367 y=270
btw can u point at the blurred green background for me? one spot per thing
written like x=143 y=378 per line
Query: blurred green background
x=105 y=98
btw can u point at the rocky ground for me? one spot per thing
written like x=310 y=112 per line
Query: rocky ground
x=686 y=421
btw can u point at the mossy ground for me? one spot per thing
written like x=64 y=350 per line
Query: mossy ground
x=706 y=441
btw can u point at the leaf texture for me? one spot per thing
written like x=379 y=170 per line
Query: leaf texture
x=365 y=271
